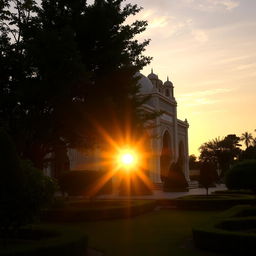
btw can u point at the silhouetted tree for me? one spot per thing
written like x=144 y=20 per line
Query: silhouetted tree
x=193 y=163
x=248 y=153
x=247 y=138
x=221 y=152
x=67 y=70
x=208 y=150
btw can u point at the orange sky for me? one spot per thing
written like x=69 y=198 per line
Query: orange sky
x=208 y=49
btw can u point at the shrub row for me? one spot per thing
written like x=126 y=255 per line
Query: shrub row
x=84 y=183
x=227 y=234
x=49 y=241
x=84 y=211
x=210 y=202
x=135 y=186
x=213 y=202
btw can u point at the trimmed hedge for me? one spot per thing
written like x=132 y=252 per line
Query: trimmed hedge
x=98 y=210
x=242 y=176
x=211 y=202
x=85 y=183
x=135 y=186
x=228 y=234
x=233 y=192
x=48 y=241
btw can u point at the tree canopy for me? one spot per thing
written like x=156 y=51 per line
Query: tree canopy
x=68 y=71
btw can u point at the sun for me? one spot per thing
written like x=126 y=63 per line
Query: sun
x=127 y=159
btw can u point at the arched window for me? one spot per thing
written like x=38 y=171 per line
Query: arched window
x=167 y=93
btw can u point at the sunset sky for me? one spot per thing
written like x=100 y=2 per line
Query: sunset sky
x=208 y=49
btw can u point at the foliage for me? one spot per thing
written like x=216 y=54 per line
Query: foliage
x=247 y=138
x=222 y=152
x=85 y=183
x=212 y=201
x=242 y=176
x=24 y=189
x=176 y=180
x=248 y=153
x=208 y=175
x=68 y=70
x=193 y=163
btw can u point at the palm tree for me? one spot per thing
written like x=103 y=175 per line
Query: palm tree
x=254 y=141
x=247 y=138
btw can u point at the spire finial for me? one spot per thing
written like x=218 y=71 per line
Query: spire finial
x=168 y=78
x=152 y=71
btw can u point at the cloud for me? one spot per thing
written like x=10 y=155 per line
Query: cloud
x=247 y=66
x=200 y=98
x=206 y=92
x=202 y=101
x=212 y=5
x=200 y=35
x=233 y=59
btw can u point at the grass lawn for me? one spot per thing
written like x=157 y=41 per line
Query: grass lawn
x=159 y=233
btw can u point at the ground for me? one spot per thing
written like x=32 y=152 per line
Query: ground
x=161 y=233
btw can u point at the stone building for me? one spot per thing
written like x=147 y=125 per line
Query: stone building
x=169 y=135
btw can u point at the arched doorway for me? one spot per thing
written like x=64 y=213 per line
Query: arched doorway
x=165 y=158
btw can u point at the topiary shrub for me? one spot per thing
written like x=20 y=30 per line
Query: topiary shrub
x=242 y=176
x=175 y=181
x=24 y=190
x=85 y=183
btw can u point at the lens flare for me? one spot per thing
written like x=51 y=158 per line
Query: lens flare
x=127 y=159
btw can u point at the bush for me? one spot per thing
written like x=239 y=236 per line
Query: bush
x=175 y=181
x=211 y=202
x=242 y=176
x=24 y=189
x=85 y=183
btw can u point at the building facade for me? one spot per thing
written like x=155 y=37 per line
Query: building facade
x=168 y=135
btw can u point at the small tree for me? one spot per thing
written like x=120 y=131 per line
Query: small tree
x=208 y=175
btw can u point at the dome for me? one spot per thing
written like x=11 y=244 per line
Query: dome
x=168 y=83
x=152 y=76
x=145 y=84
